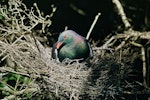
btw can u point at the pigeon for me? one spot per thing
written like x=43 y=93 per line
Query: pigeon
x=73 y=46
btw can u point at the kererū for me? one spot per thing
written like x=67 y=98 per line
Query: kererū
x=71 y=45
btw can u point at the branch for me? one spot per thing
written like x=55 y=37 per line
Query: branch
x=122 y=13
x=92 y=26
x=144 y=61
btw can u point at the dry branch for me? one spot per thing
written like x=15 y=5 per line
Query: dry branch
x=92 y=26
x=144 y=61
x=122 y=13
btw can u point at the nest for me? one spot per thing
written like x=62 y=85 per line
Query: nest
x=73 y=80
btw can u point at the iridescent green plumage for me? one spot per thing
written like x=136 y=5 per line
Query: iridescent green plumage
x=71 y=45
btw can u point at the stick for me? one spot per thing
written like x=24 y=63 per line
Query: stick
x=121 y=13
x=92 y=26
x=143 y=55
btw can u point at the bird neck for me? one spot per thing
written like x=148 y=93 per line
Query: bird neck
x=78 y=40
x=70 y=43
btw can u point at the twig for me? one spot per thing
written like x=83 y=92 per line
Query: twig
x=10 y=46
x=92 y=26
x=122 y=14
x=5 y=69
x=122 y=43
x=148 y=63
x=10 y=97
x=105 y=46
x=144 y=61
x=35 y=41
x=17 y=92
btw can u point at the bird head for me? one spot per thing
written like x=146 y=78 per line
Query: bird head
x=65 y=38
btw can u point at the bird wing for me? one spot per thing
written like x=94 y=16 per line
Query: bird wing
x=91 y=51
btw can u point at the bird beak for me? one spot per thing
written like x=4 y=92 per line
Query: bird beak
x=58 y=45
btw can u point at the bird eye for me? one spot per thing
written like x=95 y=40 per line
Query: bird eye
x=65 y=37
